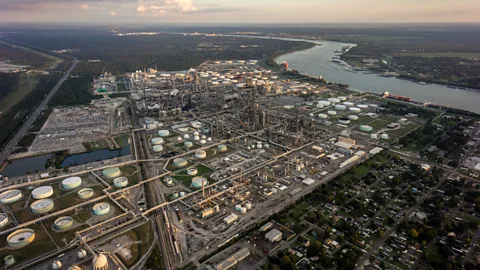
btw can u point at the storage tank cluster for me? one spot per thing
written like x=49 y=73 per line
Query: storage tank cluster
x=101 y=209
x=198 y=181
x=180 y=162
x=120 y=182
x=63 y=223
x=111 y=173
x=243 y=209
x=42 y=192
x=20 y=238
x=85 y=193
x=11 y=196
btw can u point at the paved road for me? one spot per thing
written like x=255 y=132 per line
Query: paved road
x=34 y=115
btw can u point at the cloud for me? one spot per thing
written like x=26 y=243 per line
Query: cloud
x=112 y=13
x=160 y=7
x=84 y=6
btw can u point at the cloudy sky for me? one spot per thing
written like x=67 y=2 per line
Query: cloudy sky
x=239 y=11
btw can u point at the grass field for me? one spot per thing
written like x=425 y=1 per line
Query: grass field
x=452 y=54
x=26 y=84
x=403 y=130
x=378 y=124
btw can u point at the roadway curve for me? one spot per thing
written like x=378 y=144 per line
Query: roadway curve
x=34 y=115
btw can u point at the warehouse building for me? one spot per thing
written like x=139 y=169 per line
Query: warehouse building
x=233 y=260
x=274 y=235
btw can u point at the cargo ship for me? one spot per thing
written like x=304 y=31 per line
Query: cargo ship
x=393 y=96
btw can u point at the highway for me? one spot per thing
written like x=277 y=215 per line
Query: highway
x=34 y=115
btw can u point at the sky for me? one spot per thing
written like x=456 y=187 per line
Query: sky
x=238 y=11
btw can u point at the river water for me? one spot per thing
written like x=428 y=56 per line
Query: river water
x=316 y=62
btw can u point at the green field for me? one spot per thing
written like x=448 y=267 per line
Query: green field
x=26 y=83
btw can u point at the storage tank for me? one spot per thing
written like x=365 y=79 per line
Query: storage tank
x=355 y=109
x=169 y=181
x=179 y=138
x=402 y=120
x=71 y=182
x=151 y=126
x=100 y=262
x=182 y=193
x=188 y=144
x=222 y=147
x=353 y=117
x=243 y=210
x=324 y=103
x=196 y=138
x=197 y=182
x=56 y=265
x=85 y=193
x=374 y=136
x=334 y=100
x=9 y=260
x=3 y=220
x=20 y=238
x=42 y=206
x=342 y=98
x=157 y=148
x=186 y=136
x=384 y=136
x=192 y=171
x=344 y=120
x=366 y=128
x=120 y=182
x=200 y=154
x=163 y=133
x=362 y=106
x=81 y=254
x=111 y=173
x=322 y=116
x=42 y=192
x=180 y=162
x=348 y=103
x=203 y=141
x=175 y=195
x=101 y=209
x=157 y=140
x=248 y=206
x=340 y=107
x=63 y=223
x=238 y=207
x=332 y=113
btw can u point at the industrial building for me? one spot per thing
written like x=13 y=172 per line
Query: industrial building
x=266 y=226
x=274 y=235
x=230 y=219
x=233 y=260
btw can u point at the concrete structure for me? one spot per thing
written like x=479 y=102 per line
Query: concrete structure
x=85 y=193
x=200 y=154
x=42 y=192
x=274 y=235
x=101 y=209
x=157 y=148
x=233 y=260
x=180 y=162
x=20 y=238
x=42 y=206
x=100 y=262
x=11 y=196
x=198 y=181
x=120 y=182
x=3 y=220
x=71 y=182
x=110 y=173
x=63 y=223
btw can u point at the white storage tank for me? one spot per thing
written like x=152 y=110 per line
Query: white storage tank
x=243 y=210
x=182 y=194
x=157 y=140
x=20 y=238
x=71 y=182
x=3 y=220
x=9 y=260
x=348 y=103
x=384 y=136
x=362 y=106
x=355 y=109
x=188 y=144
x=120 y=182
x=164 y=133
x=222 y=147
x=157 y=148
x=63 y=223
x=353 y=117
x=42 y=206
x=366 y=128
x=342 y=98
x=340 y=107
x=111 y=173
x=42 y=192
x=248 y=206
x=101 y=209
x=334 y=100
x=322 y=116
x=200 y=154
x=203 y=141
x=374 y=136
x=180 y=162
x=192 y=171
x=332 y=113
x=85 y=193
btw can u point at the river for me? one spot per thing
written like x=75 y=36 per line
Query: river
x=316 y=62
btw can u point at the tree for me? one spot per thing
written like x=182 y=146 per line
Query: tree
x=314 y=249
x=287 y=263
x=413 y=233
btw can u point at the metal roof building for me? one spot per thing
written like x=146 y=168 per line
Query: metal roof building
x=234 y=259
x=273 y=235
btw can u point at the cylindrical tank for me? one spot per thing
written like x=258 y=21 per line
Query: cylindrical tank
x=192 y=171
x=342 y=98
x=203 y=141
x=20 y=238
x=355 y=109
x=353 y=117
x=384 y=136
x=85 y=193
x=9 y=260
x=157 y=140
x=238 y=207
x=332 y=113
x=151 y=126
x=188 y=144
x=196 y=133
x=344 y=120
x=186 y=136
x=340 y=107
x=163 y=133
x=63 y=223
x=197 y=182
x=71 y=182
x=325 y=102
x=169 y=181
x=120 y=182
x=243 y=210
x=334 y=100
x=348 y=103
x=81 y=254
x=182 y=193
x=3 y=220
x=196 y=138
x=362 y=106
x=157 y=148
x=180 y=162
x=179 y=138
x=248 y=206
x=200 y=154
x=374 y=136
x=209 y=139
x=101 y=209
x=222 y=148
x=175 y=195
x=110 y=173
x=322 y=116
x=366 y=128
x=319 y=105
x=42 y=192
x=42 y=206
